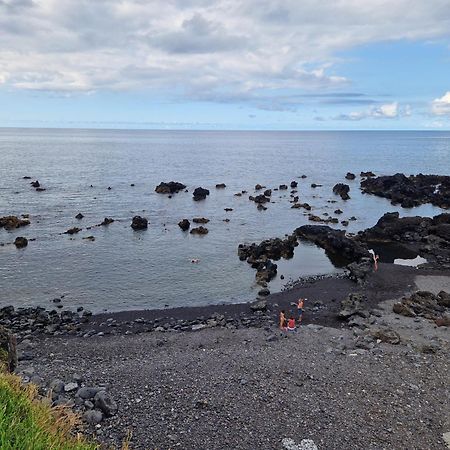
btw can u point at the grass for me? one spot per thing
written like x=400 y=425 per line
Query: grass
x=28 y=423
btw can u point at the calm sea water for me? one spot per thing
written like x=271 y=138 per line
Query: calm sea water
x=124 y=269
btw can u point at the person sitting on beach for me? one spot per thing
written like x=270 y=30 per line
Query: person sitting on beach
x=300 y=309
x=282 y=320
x=291 y=324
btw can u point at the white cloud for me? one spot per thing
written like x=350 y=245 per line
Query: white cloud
x=441 y=106
x=222 y=50
x=386 y=111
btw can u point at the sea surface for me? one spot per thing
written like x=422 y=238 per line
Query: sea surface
x=124 y=269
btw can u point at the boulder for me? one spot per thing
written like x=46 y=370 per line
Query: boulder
x=268 y=193
x=352 y=305
x=93 y=417
x=184 y=224
x=139 y=223
x=79 y=216
x=35 y=184
x=73 y=230
x=105 y=403
x=359 y=270
x=107 y=221
x=294 y=184
x=258 y=187
x=350 y=176
x=20 y=242
x=387 y=335
x=200 y=230
x=221 y=186
x=200 y=194
x=172 y=187
x=367 y=174
x=342 y=190
x=200 y=220
x=282 y=187
x=8 y=350
x=12 y=222
x=443 y=299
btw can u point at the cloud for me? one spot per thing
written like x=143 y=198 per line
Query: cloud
x=260 y=52
x=385 y=111
x=441 y=106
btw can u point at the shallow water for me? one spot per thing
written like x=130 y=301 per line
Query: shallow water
x=124 y=269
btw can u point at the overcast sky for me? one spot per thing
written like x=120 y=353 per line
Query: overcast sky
x=225 y=64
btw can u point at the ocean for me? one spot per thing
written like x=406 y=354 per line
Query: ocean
x=125 y=269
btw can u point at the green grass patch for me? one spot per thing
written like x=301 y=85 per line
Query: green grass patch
x=29 y=423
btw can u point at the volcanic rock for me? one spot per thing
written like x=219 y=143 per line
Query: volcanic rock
x=172 y=187
x=221 y=186
x=107 y=221
x=350 y=176
x=73 y=230
x=139 y=223
x=21 y=242
x=79 y=216
x=200 y=230
x=200 y=220
x=12 y=222
x=184 y=224
x=342 y=190
x=200 y=194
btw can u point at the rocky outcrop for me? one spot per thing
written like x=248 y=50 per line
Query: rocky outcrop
x=200 y=230
x=428 y=237
x=367 y=174
x=172 y=187
x=425 y=304
x=8 y=350
x=184 y=224
x=359 y=270
x=410 y=191
x=268 y=249
x=353 y=304
x=340 y=249
x=342 y=190
x=21 y=242
x=139 y=223
x=200 y=194
x=12 y=222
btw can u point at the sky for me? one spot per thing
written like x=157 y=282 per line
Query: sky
x=225 y=64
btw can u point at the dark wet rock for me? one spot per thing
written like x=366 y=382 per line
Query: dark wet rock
x=12 y=222
x=302 y=205
x=258 y=187
x=200 y=194
x=93 y=417
x=268 y=193
x=295 y=199
x=200 y=230
x=350 y=176
x=261 y=207
x=132 y=184
x=264 y=292
x=221 y=186
x=259 y=199
x=79 y=216
x=294 y=184
x=353 y=304
x=139 y=223
x=184 y=224
x=268 y=249
x=314 y=218
x=8 y=350
x=26 y=177
x=342 y=190
x=89 y=238
x=200 y=220
x=367 y=174
x=228 y=209
x=20 y=242
x=40 y=189
x=282 y=187
x=336 y=244
x=424 y=304
x=35 y=184
x=107 y=221
x=172 y=187
x=314 y=185
x=338 y=211
x=410 y=191
x=73 y=230
x=344 y=223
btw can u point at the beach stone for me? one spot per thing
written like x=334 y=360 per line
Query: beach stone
x=20 y=242
x=57 y=386
x=8 y=350
x=93 y=417
x=70 y=387
x=139 y=223
x=105 y=403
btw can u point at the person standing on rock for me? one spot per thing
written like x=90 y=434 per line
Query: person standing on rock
x=300 y=305
x=282 y=320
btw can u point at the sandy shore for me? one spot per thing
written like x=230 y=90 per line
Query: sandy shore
x=249 y=388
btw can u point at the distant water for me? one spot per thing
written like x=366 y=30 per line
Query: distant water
x=124 y=269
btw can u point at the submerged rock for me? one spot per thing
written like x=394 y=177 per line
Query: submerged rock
x=73 y=230
x=139 y=223
x=200 y=230
x=221 y=186
x=200 y=220
x=107 y=221
x=350 y=176
x=79 y=216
